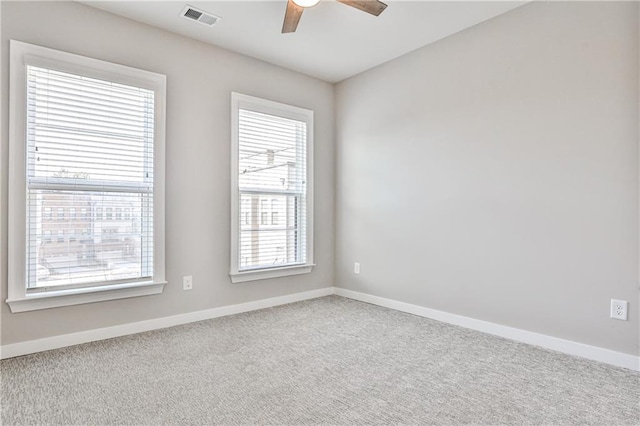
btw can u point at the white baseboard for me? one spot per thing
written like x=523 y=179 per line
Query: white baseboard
x=55 y=342
x=561 y=345
x=554 y=343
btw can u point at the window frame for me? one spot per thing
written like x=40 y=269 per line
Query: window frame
x=241 y=101
x=22 y=54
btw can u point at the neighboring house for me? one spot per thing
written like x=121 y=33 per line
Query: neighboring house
x=267 y=222
x=77 y=237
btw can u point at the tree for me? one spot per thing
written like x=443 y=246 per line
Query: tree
x=65 y=174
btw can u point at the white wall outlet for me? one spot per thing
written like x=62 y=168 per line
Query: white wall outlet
x=356 y=268
x=619 y=309
x=187 y=282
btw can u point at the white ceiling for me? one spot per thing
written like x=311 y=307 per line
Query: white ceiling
x=333 y=41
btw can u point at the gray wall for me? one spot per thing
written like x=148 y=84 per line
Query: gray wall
x=200 y=79
x=494 y=174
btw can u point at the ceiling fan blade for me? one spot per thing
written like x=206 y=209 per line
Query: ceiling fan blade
x=291 y=17
x=374 y=7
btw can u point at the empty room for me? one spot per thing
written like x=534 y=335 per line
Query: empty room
x=320 y=212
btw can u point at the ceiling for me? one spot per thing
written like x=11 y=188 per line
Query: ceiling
x=333 y=41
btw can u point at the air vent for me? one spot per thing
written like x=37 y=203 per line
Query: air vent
x=198 y=15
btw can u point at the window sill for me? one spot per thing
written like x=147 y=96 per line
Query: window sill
x=263 y=274
x=55 y=299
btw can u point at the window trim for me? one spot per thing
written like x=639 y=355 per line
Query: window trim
x=21 y=55
x=238 y=101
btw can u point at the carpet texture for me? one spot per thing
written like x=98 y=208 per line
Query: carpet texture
x=324 y=361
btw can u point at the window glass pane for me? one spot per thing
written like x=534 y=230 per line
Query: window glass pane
x=96 y=249
x=268 y=244
x=86 y=129
x=272 y=184
x=272 y=152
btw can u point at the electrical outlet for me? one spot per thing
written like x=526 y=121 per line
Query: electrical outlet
x=187 y=282
x=619 y=309
x=356 y=268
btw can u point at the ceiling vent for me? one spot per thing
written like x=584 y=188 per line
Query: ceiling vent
x=198 y=15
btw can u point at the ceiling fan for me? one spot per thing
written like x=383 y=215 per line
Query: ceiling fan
x=296 y=7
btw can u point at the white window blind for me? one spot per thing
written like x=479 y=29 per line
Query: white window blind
x=90 y=149
x=271 y=187
x=272 y=184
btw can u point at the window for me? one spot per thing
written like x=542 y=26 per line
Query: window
x=83 y=133
x=110 y=235
x=274 y=212
x=264 y=214
x=272 y=187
